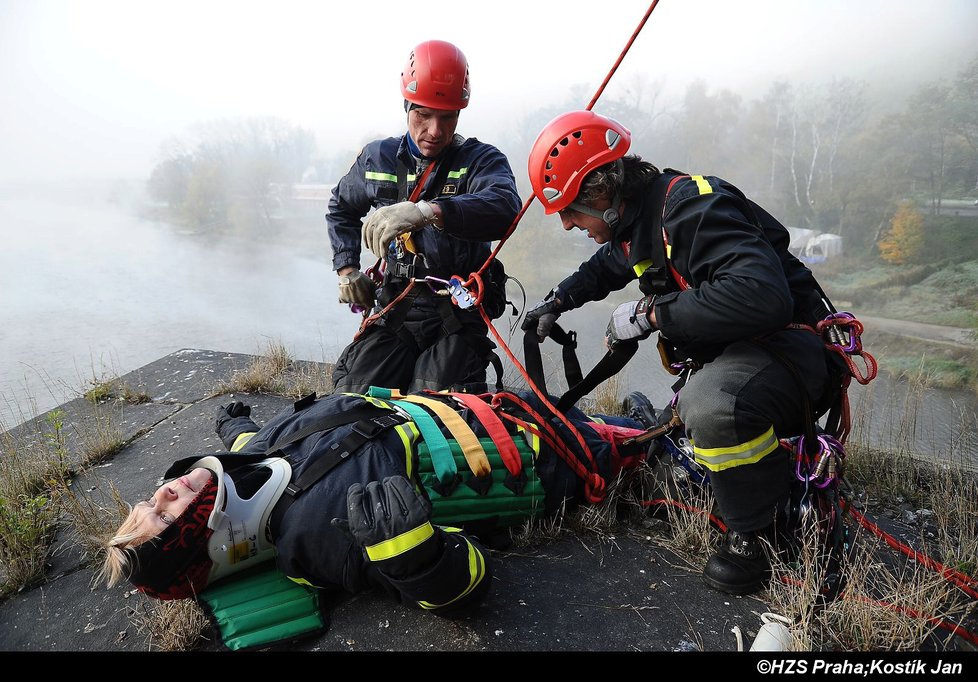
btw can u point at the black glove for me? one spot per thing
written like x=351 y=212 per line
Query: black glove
x=390 y=522
x=543 y=315
x=630 y=321
x=226 y=413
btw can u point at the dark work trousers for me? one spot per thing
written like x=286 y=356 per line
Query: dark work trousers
x=422 y=356
x=737 y=407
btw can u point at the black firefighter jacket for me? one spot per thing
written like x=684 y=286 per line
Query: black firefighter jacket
x=732 y=254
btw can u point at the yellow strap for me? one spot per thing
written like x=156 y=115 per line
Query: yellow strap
x=702 y=185
x=641 y=267
x=718 y=459
x=475 y=455
x=400 y=544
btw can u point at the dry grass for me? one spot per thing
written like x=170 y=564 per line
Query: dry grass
x=309 y=378
x=104 y=390
x=101 y=438
x=884 y=607
x=607 y=396
x=92 y=519
x=29 y=469
x=690 y=535
x=175 y=625
x=275 y=372
x=265 y=374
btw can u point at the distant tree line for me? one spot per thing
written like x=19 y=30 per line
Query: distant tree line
x=816 y=156
x=230 y=172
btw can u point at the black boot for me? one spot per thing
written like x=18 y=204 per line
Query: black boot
x=636 y=406
x=740 y=566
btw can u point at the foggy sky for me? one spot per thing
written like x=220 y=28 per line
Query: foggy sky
x=92 y=89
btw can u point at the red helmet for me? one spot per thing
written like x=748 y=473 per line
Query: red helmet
x=567 y=149
x=437 y=76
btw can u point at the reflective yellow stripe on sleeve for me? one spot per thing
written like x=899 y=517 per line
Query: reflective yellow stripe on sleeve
x=242 y=440
x=718 y=459
x=386 y=177
x=400 y=544
x=456 y=174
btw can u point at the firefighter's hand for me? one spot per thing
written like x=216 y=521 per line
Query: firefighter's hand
x=630 y=321
x=355 y=287
x=226 y=413
x=387 y=222
x=390 y=521
x=543 y=315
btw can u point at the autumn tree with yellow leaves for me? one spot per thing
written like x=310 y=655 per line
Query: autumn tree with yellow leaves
x=903 y=241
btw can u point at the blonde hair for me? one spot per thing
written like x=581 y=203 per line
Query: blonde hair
x=117 y=560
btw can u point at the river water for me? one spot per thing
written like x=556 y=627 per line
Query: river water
x=88 y=290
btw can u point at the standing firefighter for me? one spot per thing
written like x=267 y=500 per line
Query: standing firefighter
x=729 y=301
x=439 y=199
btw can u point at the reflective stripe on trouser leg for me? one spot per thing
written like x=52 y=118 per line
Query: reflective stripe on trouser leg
x=735 y=408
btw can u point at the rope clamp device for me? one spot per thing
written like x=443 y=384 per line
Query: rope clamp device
x=462 y=296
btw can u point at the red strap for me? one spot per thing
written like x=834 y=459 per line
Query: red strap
x=424 y=176
x=496 y=430
x=683 y=284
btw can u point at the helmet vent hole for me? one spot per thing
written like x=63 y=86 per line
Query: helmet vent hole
x=578 y=134
x=546 y=179
x=564 y=142
x=549 y=165
x=554 y=152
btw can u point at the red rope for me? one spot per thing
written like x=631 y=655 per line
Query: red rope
x=961 y=580
x=946 y=625
x=715 y=520
x=628 y=45
x=367 y=321
x=604 y=83
x=954 y=577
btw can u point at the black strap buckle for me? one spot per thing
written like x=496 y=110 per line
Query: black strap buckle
x=402 y=269
x=373 y=427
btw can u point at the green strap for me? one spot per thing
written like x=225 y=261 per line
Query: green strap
x=441 y=452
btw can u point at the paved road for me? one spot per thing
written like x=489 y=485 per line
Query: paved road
x=955 y=336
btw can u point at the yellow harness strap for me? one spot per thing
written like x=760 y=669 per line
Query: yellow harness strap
x=475 y=455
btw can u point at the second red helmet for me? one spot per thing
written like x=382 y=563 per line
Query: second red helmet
x=567 y=149
x=437 y=76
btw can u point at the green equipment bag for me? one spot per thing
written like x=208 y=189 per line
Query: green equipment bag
x=262 y=607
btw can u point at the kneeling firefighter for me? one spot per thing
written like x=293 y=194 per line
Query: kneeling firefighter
x=734 y=310
x=439 y=199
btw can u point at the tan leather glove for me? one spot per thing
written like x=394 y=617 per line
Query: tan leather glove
x=357 y=288
x=387 y=222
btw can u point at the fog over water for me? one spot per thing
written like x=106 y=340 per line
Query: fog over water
x=92 y=90
x=89 y=291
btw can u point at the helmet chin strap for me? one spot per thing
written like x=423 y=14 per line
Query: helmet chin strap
x=611 y=215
